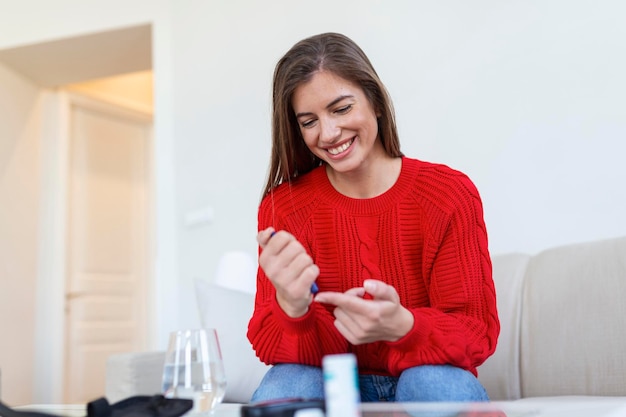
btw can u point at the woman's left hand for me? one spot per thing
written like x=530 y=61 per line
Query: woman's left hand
x=363 y=320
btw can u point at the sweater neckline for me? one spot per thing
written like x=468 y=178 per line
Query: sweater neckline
x=362 y=206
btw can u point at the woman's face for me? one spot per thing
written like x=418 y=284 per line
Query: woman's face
x=337 y=121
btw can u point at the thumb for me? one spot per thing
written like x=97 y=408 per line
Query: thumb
x=380 y=291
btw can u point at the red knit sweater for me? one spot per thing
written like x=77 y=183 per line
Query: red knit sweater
x=425 y=236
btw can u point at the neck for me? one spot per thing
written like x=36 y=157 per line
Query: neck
x=372 y=179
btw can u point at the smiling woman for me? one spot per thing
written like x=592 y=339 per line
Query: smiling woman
x=397 y=246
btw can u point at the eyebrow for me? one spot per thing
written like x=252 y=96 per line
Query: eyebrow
x=329 y=105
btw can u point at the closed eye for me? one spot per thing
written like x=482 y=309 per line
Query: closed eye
x=308 y=123
x=344 y=109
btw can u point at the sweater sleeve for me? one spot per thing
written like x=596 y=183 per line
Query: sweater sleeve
x=278 y=338
x=461 y=326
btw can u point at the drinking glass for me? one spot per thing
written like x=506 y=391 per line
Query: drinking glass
x=194 y=369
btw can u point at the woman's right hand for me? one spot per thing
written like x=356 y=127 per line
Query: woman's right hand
x=290 y=269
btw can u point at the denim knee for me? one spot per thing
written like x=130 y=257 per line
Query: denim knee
x=290 y=381
x=439 y=383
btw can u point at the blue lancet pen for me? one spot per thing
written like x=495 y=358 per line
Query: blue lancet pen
x=314 y=288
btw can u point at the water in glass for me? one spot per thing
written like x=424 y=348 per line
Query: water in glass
x=194 y=369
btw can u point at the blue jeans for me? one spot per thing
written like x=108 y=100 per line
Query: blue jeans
x=421 y=383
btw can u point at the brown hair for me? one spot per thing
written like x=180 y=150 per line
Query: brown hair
x=331 y=52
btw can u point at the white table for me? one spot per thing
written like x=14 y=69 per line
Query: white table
x=536 y=407
x=68 y=410
x=551 y=407
x=80 y=410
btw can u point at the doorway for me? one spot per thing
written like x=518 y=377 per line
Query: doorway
x=107 y=223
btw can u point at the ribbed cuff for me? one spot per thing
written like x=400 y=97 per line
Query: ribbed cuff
x=294 y=325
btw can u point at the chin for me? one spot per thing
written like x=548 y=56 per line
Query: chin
x=344 y=167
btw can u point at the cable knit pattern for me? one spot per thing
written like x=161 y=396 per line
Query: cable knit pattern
x=425 y=236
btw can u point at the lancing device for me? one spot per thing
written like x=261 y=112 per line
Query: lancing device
x=314 y=288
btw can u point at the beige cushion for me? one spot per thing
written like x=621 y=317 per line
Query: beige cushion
x=228 y=311
x=133 y=373
x=573 y=336
x=500 y=372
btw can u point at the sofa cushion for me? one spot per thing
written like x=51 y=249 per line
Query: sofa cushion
x=133 y=373
x=500 y=372
x=228 y=311
x=573 y=320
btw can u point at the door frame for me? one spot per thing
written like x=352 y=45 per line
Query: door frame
x=50 y=331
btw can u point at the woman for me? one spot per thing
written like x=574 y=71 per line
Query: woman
x=396 y=246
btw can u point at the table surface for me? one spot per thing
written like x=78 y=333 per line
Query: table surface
x=536 y=407
x=564 y=407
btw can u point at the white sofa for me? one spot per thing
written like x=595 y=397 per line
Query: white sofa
x=562 y=313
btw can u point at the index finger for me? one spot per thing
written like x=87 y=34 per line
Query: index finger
x=348 y=301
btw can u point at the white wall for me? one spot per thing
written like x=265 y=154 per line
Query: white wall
x=26 y=22
x=19 y=200
x=524 y=96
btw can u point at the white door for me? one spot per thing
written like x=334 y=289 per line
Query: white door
x=108 y=190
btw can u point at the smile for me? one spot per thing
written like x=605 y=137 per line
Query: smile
x=340 y=148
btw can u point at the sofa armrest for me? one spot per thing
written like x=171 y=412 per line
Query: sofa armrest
x=137 y=373
x=500 y=374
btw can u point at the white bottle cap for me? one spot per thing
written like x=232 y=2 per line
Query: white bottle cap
x=309 y=412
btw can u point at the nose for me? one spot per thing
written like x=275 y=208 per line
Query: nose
x=329 y=131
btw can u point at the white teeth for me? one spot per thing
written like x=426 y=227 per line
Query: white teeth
x=339 y=149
